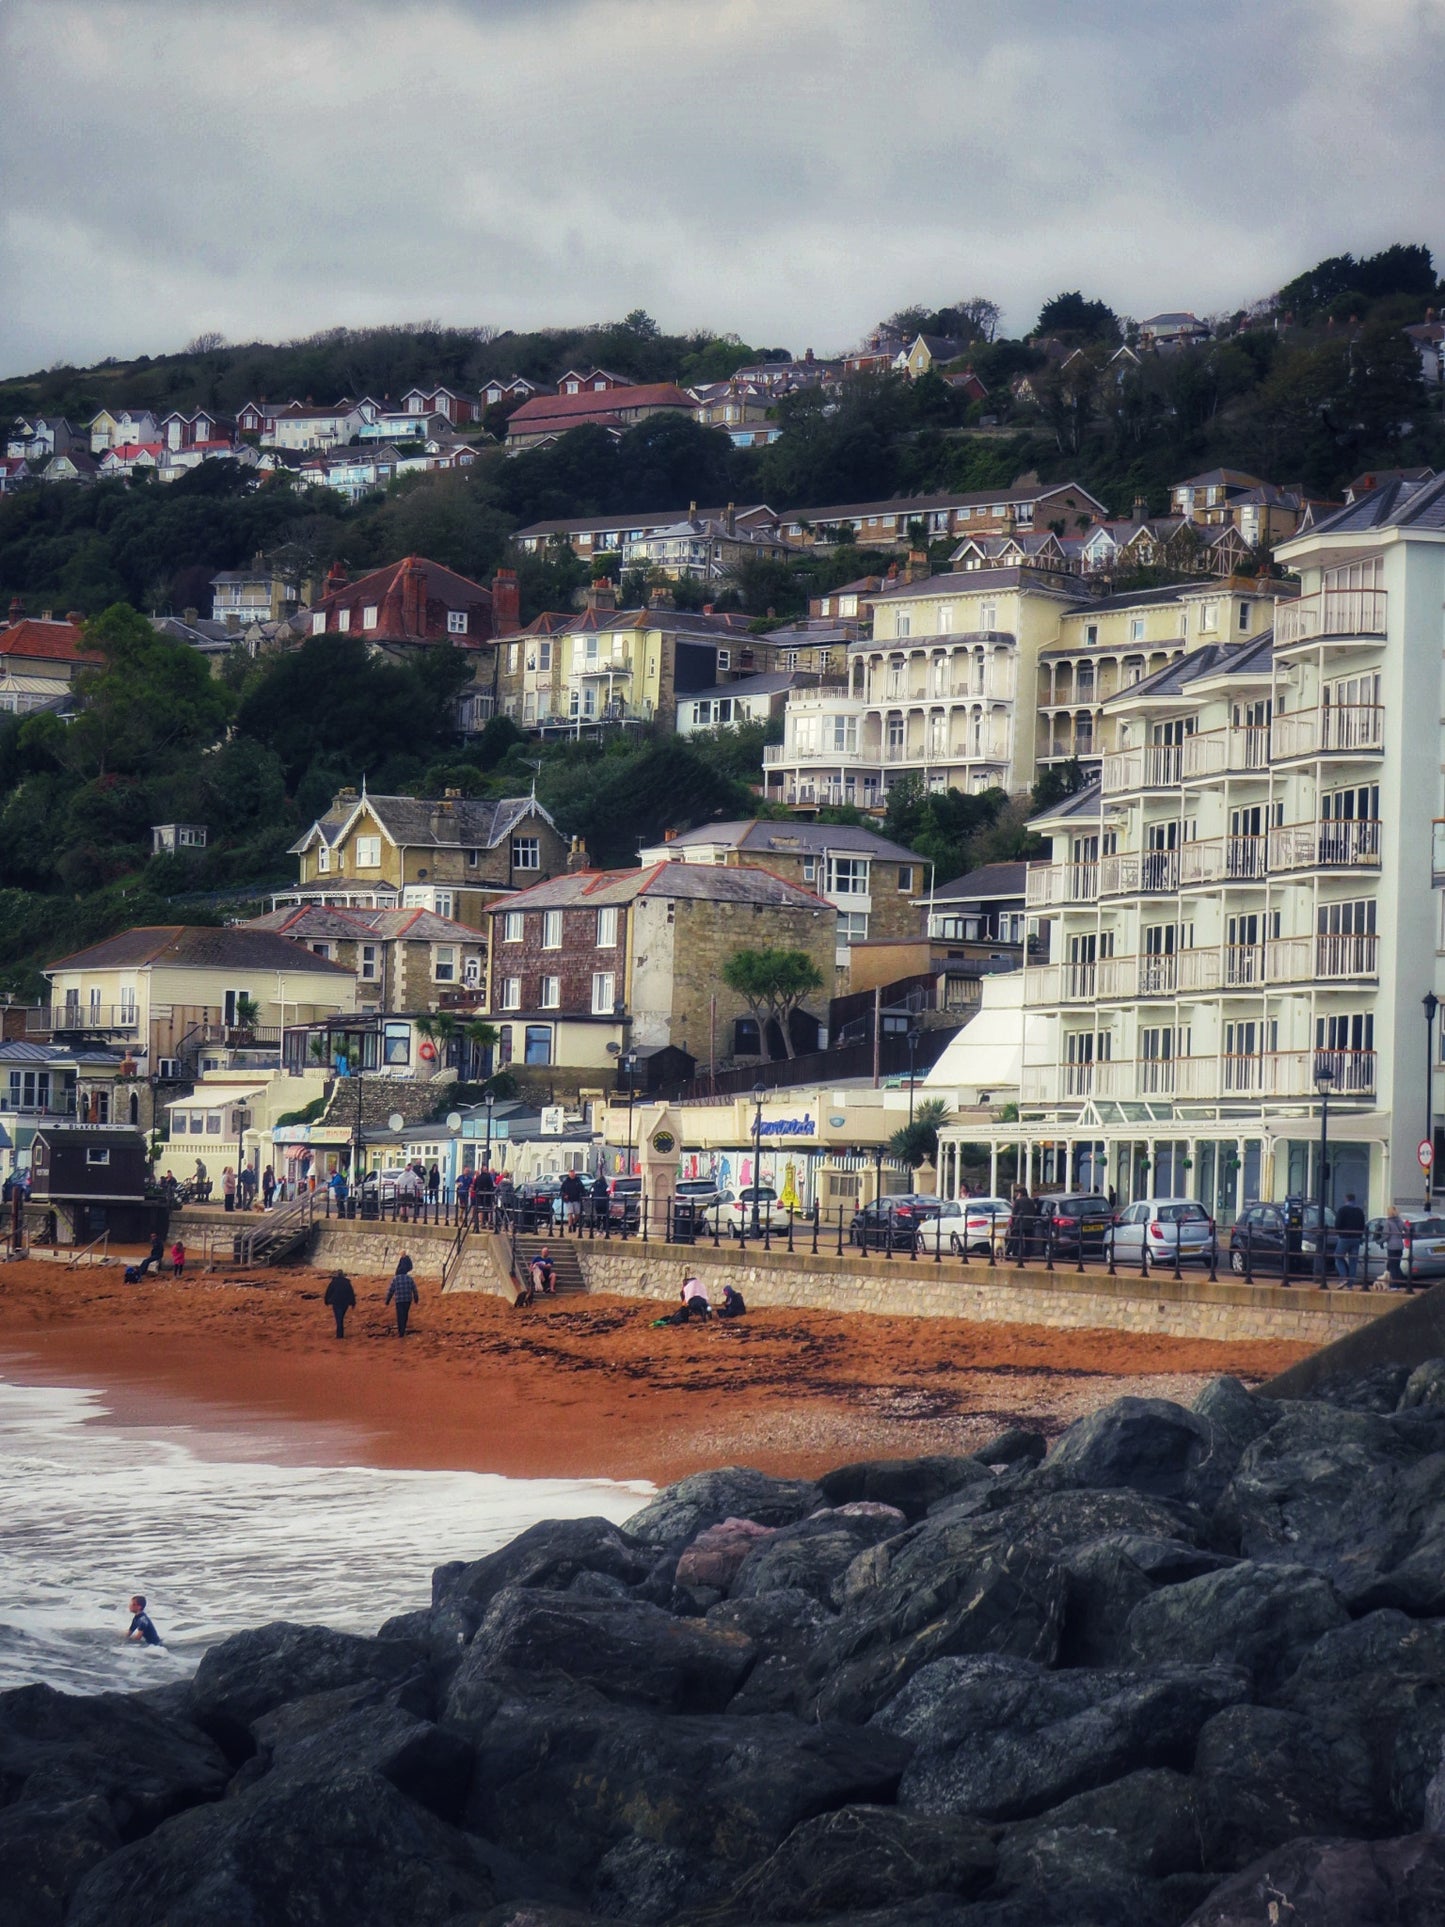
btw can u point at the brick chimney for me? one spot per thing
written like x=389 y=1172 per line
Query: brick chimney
x=75 y=617
x=917 y=569
x=602 y=595
x=730 y=518
x=444 y=816
x=506 y=603
x=576 y=856
x=336 y=578
x=413 y=598
x=661 y=599
x=17 y=611
x=1141 y=509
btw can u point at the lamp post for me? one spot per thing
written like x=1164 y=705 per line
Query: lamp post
x=358 y=1143
x=243 y=1124
x=629 y=1064
x=914 y=1033
x=758 y=1095
x=1324 y=1077
x=489 y=1098
x=1430 y=1003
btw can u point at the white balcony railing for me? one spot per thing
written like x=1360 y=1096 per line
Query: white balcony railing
x=1333 y=843
x=1199 y=970
x=1291 y=1073
x=1244 y=965
x=1327 y=958
x=1151 y=766
x=1041 y=986
x=1334 y=612
x=1334 y=729
x=1051 y=883
x=1117 y=976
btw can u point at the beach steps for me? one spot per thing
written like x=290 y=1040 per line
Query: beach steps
x=565 y=1262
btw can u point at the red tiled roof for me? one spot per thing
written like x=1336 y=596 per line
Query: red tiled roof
x=610 y=401
x=46 y=642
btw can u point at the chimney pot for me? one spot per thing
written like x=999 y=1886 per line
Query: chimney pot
x=75 y=616
x=506 y=603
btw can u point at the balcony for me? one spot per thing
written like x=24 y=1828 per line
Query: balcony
x=1342 y=843
x=1437 y=854
x=1223 y=859
x=1244 y=966
x=1139 y=873
x=91 y=1019
x=1335 y=729
x=1055 y=883
x=776 y=754
x=1328 y=959
x=1152 y=766
x=1199 y=970
x=1291 y=1073
x=1334 y=612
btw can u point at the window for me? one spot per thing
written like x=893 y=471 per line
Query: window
x=368 y=852
x=1136 y=628
x=323 y=858
x=213 y=1123
x=1091 y=633
x=544 y=655
x=318 y=625
x=945 y=618
x=511 y=993
x=97 y=1154
x=551 y=995
x=370 y=963
x=456 y=622
x=810 y=869
x=988 y=615
x=513 y=926
x=903 y=626
x=232 y=1003
x=724 y=660
x=551 y=929
x=443 y=902
x=604 y=993
x=896 y=728
x=1208 y=616
x=322 y=950
x=526 y=853
x=343 y=619
x=852 y=926
x=474 y=857
x=538 y=1048
x=444 y=963
x=504 y=1044
x=905 y=876
x=1246 y=609
x=514 y=657
x=369 y=615
x=396 y=1044
x=607 y=929
x=848 y=876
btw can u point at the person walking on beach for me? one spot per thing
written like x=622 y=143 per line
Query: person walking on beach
x=178 y=1259
x=340 y=1296
x=402 y=1292
x=141 y=1632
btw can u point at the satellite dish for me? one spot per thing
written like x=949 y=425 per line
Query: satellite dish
x=395 y=1122
x=454 y=1120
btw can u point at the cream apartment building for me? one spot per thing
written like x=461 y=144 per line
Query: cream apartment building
x=1242 y=908
x=944 y=690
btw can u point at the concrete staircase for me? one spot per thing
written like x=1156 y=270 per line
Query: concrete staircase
x=565 y=1262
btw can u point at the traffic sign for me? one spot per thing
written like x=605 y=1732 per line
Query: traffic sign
x=1426 y=1154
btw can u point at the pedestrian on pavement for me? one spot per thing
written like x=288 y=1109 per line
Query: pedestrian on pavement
x=464 y=1193
x=228 y=1188
x=1395 y=1249
x=340 y=1296
x=601 y=1199
x=402 y=1292
x=484 y=1193
x=1350 y=1230
x=268 y=1188
x=434 y=1184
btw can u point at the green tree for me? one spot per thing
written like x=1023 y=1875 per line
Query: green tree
x=1071 y=314
x=917 y=1143
x=149 y=698
x=773 y=984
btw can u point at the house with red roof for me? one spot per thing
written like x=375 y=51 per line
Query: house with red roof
x=413 y=601
x=39 y=659
x=545 y=417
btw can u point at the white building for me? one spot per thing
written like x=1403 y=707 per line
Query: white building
x=1242 y=913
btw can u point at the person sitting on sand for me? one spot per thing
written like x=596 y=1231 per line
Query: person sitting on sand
x=341 y=1297
x=141 y=1629
x=544 y=1273
x=695 y=1301
x=732 y=1305
x=155 y=1257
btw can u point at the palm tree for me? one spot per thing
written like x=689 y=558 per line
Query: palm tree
x=247 y=1012
x=319 y=1048
x=480 y=1037
x=428 y=1028
x=447 y=1030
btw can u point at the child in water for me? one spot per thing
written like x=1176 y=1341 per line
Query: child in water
x=140 y=1626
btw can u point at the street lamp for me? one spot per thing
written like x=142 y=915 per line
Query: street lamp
x=1324 y=1077
x=758 y=1095
x=489 y=1098
x=1430 y=1003
x=243 y=1124
x=914 y=1033
x=629 y=1064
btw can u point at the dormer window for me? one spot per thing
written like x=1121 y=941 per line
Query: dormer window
x=456 y=622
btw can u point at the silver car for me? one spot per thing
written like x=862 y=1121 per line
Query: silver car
x=1166 y=1225
x=1423 y=1256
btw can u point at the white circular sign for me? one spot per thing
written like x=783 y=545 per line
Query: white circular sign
x=454 y=1120
x=395 y=1121
x=1425 y=1153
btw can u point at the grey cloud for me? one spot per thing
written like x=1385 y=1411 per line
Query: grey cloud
x=790 y=171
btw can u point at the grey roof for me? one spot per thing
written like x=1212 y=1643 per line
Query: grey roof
x=179 y=946
x=906 y=505
x=700 y=882
x=1084 y=802
x=473 y=823
x=771 y=683
x=758 y=837
x=989 y=880
x=1402 y=503
x=21 y=1052
x=1212 y=659
x=971 y=581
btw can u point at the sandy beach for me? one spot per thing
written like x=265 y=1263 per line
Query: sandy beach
x=574 y=1387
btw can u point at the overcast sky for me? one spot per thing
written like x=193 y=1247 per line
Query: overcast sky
x=789 y=171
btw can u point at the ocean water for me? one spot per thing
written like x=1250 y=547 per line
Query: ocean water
x=218 y=1536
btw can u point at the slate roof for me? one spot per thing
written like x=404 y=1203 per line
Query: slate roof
x=759 y=837
x=907 y=505
x=318 y=922
x=181 y=946
x=697 y=882
x=989 y=880
x=771 y=682
x=970 y=582
x=1402 y=503
x=543 y=411
x=472 y=823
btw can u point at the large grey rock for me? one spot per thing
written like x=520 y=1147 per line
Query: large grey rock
x=46 y=1850
x=1424 y=1386
x=1106 y=1579
x=1265 y=1776
x=813 y=1555
x=549 y=1554
x=736 y=1492
x=912 y=1485
x=254 y=1672
x=370 y=1728
x=56 y=1748
x=1143 y=1826
x=567 y=1775
x=784 y=1626
x=861 y=1857
x=628 y=1650
x=1004 y=1739
x=292 y=1853
x=1148 y=1445
x=1262 y=1617
x=1335 y=1883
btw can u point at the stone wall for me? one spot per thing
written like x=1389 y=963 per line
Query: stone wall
x=1190 y=1308
x=369 y=1250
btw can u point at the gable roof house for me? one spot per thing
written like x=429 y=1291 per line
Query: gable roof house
x=410 y=602
x=36 y=436
x=449 y=854
x=39 y=660
x=403 y=960
x=1176 y=328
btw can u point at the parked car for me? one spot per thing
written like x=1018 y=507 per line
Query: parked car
x=1281 y=1237
x=532 y=1203
x=733 y=1211
x=968 y=1224
x=893 y=1223
x=1166 y=1225
x=625 y=1203
x=698 y=1192
x=1424 y=1253
x=1074 y=1220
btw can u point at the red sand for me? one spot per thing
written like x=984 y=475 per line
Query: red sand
x=577 y=1387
